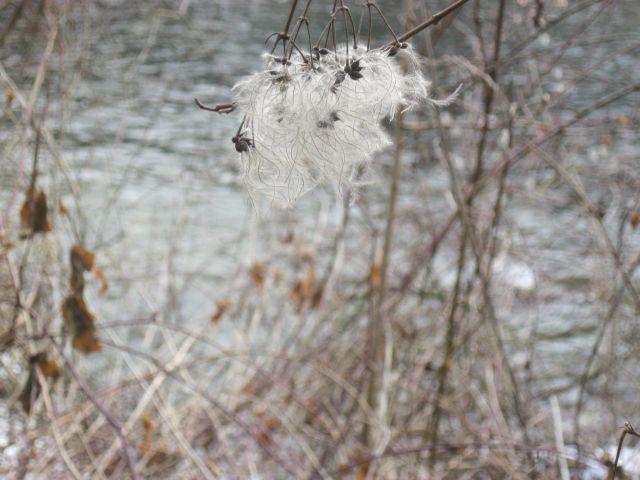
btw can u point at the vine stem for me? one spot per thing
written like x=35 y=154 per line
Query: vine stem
x=291 y=12
x=284 y=35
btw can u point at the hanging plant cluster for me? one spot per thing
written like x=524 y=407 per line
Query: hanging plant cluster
x=314 y=116
x=309 y=125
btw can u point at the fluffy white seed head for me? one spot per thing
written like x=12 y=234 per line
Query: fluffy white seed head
x=306 y=125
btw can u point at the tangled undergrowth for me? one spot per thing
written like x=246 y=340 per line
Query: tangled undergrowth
x=476 y=320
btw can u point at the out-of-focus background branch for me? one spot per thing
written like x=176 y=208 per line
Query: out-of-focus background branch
x=479 y=320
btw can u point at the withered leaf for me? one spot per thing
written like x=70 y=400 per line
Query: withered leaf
x=295 y=292
x=81 y=258
x=79 y=322
x=249 y=390
x=318 y=295
x=31 y=390
x=221 y=307
x=374 y=274
x=305 y=291
x=308 y=283
x=271 y=423
x=359 y=457
x=86 y=342
x=147 y=433
x=104 y=283
x=257 y=273
x=33 y=214
x=76 y=315
x=48 y=368
x=266 y=428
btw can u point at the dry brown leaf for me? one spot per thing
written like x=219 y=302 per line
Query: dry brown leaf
x=264 y=438
x=344 y=470
x=81 y=258
x=31 y=390
x=221 y=307
x=374 y=274
x=305 y=290
x=257 y=273
x=249 y=390
x=147 y=432
x=48 y=369
x=267 y=426
x=86 y=342
x=635 y=220
x=271 y=423
x=79 y=322
x=317 y=297
x=104 y=283
x=362 y=471
x=76 y=315
x=308 y=284
x=33 y=214
x=360 y=458
x=295 y=292
x=29 y=393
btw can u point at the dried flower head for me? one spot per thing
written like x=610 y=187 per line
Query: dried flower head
x=310 y=123
x=315 y=117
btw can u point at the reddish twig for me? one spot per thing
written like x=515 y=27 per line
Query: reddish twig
x=218 y=108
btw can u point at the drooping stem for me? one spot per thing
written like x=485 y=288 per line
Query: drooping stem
x=302 y=20
x=284 y=35
x=294 y=4
x=346 y=28
x=353 y=27
x=384 y=19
